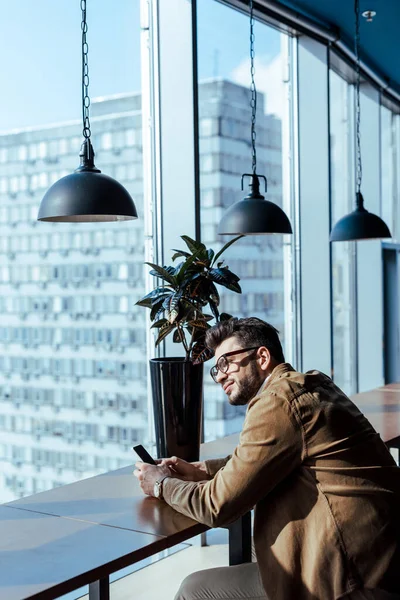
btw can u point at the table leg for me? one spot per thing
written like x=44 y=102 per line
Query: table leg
x=100 y=590
x=240 y=540
x=203 y=539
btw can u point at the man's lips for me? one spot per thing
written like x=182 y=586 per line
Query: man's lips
x=227 y=386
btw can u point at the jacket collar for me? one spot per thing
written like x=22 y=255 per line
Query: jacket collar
x=278 y=372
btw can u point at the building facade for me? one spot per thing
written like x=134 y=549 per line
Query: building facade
x=73 y=374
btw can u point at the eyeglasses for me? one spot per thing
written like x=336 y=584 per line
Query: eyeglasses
x=223 y=363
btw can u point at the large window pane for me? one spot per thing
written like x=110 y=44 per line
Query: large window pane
x=343 y=253
x=73 y=372
x=225 y=154
x=390 y=138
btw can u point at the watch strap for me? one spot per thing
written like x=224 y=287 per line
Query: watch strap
x=159 y=483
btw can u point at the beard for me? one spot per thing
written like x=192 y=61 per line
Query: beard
x=246 y=388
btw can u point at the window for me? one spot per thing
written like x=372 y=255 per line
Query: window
x=390 y=160
x=130 y=137
x=225 y=154
x=63 y=146
x=3 y=185
x=68 y=281
x=106 y=141
x=343 y=253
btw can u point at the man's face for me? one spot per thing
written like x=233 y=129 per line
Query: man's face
x=244 y=377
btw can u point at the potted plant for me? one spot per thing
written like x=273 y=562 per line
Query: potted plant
x=179 y=307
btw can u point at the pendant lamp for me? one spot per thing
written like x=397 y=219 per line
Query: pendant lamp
x=86 y=195
x=254 y=215
x=359 y=224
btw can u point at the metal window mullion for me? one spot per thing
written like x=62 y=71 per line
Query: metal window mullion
x=314 y=205
x=151 y=170
x=295 y=209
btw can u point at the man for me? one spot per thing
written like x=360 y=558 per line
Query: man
x=326 y=490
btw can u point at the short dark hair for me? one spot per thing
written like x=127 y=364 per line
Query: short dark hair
x=249 y=331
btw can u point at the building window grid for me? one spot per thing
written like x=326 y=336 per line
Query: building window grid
x=122 y=240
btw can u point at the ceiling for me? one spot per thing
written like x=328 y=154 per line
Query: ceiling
x=379 y=40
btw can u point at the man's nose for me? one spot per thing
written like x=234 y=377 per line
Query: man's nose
x=221 y=376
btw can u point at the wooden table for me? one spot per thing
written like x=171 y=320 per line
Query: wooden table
x=381 y=406
x=43 y=557
x=80 y=533
x=115 y=499
x=112 y=503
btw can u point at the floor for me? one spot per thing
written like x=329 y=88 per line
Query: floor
x=162 y=579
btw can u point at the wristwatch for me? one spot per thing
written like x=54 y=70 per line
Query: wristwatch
x=158 y=487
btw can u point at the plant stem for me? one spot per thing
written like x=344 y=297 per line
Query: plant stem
x=183 y=340
x=193 y=332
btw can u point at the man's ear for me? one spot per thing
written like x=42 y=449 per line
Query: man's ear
x=266 y=358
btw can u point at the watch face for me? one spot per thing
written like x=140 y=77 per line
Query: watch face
x=156 y=489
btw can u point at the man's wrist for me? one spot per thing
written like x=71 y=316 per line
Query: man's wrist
x=158 y=487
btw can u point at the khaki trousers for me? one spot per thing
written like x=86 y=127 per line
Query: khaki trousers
x=243 y=582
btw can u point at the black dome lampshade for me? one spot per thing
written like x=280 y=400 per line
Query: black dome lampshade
x=254 y=214
x=86 y=195
x=359 y=225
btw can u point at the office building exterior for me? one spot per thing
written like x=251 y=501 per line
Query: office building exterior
x=73 y=370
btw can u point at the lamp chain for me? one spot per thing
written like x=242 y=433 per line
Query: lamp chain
x=85 y=75
x=253 y=101
x=357 y=98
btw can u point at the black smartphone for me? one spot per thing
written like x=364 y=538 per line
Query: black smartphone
x=144 y=455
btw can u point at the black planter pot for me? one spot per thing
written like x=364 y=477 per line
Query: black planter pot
x=177 y=387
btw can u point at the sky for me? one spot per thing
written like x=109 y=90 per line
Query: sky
x=40 y=55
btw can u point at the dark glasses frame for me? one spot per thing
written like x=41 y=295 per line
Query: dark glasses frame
x=214 y=370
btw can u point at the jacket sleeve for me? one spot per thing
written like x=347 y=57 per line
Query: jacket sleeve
x=270 y=447
x=213 y=465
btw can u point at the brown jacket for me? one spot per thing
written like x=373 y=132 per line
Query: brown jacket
x=325 y=488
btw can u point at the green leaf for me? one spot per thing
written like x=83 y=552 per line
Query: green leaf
x=159 y=291
x=179 y=253
x=179 y=267
x=191 y=274
x=197 y=334
x=199 y=323
x=156 y=309
x=164 y=331
x=189 y=270
x=198 y=290
x=210 y=254
x=213 y=294
x=171 y=306
x=177 y=337
x=188 y=309
x=162 y=272
x=224 y=317
x=159 y=314
x=216 y=257
x=146 y=301
x=159 y=323
x=192 y=244
x=153 y=296
x=226 y=278
x=214 y=309
x=201 y=353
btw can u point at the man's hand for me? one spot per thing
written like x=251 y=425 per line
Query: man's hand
x=186 y=471
x=172 y=467
x=149 y=474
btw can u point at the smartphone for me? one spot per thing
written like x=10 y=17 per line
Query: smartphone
x=144 y=455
